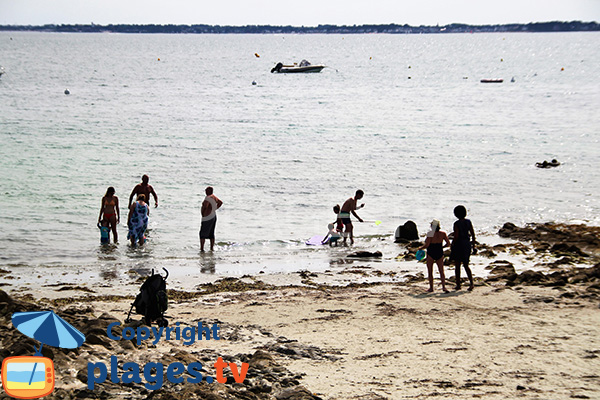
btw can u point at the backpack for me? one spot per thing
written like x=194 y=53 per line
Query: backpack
x=152 y=300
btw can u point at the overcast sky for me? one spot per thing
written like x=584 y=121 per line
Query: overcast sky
x=294 y=12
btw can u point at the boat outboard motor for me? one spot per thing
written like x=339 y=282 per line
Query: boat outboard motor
x=277 y=68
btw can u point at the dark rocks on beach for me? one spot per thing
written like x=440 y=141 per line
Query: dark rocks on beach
x=407 y=232
x=555 y=279
x=528 y=277
x=576 y=240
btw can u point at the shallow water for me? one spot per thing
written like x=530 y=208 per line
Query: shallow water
x=403 y=117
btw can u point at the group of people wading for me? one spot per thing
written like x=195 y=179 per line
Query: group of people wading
x=137 y=222
x=137 y=218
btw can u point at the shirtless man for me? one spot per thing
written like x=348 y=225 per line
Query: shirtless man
x=350 y=206
x=146 y=190
x=209 y=218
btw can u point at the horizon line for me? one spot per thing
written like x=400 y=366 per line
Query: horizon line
x=300 y=26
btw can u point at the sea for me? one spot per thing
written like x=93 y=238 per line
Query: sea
x=405 y=118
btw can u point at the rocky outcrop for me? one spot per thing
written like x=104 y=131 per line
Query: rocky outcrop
x=559 y=239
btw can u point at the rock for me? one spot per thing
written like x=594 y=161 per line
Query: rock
x=528 y=277
x=365 y=254
x=101 y=340
x=500 y=247
x=487 y=253
x=557 y=278
x=563 y=248
x=297 y=393
x=542 y=247
x=406 y=232
x=82 y=376
x=5 y=298
x=261 y=359
x=501 y=268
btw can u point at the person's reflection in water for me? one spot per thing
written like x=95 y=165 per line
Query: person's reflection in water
x=208 y=263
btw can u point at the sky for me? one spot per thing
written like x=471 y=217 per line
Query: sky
x=295 y=12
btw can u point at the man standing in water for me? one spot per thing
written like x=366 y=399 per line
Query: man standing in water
x=209 y=218
x=146 y=190
x=350 y=206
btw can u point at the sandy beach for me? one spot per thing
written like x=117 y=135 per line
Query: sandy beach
x=532 y=334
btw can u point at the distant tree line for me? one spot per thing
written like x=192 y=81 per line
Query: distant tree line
x=555 y=26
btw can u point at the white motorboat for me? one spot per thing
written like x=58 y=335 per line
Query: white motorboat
x=304 y=66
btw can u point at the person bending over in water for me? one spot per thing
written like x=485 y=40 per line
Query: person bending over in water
x=110 y=215
x=461 y=245
x=350 y=206
x=137 y=220
x=146 y=190
x=434 y=243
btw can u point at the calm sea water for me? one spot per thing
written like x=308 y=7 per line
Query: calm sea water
x=403 y=117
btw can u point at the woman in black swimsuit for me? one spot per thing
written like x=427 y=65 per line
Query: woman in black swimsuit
x=435 y=252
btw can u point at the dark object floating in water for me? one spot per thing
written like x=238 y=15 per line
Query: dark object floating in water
x=67 y=91
x=547 y=164
x=304 y=66
x=492 y=80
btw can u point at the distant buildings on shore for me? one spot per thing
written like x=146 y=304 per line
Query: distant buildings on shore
x=555 y=26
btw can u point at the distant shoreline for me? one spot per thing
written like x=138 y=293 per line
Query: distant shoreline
x=554 y=26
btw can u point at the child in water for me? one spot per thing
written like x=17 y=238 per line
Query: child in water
x=332 y=235
x=339 y=225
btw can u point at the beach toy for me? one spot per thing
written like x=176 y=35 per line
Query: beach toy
x=420 y=255
x=104 y=239
x=315 y=240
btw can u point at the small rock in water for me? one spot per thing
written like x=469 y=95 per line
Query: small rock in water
x=365 y=254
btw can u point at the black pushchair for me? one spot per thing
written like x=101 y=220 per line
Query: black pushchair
x=152 y=301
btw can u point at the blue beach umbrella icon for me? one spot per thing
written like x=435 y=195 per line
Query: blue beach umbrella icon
x=47 y=328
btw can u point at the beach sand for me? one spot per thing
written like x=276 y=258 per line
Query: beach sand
x=530 y=335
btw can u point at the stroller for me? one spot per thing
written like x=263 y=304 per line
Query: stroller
x=152 y=301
